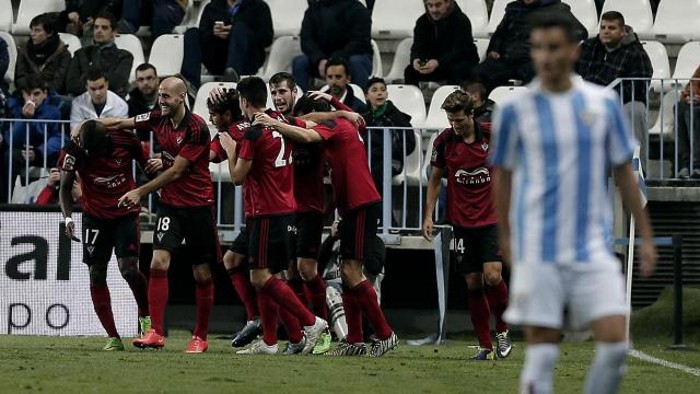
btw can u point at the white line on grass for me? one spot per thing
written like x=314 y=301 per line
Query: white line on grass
x=645 y=357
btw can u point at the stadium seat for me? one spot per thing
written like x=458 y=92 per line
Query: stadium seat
x=356 y=90
x=437 y=119
x=482 y=44
x=72 y=41
x=677 y=23
x=659 y=63
x=426 y=159
x=478 y=16
x=637 y=14
x=501 y=92
x=12 y=49
x=377 y=70
x=411 y=165
x=189 y=19
x=666 y=118
x=167 y=53
x=586 y=13
x=6 y=16
x=687 y=62
x=395 y=19
x=200 y=102
x=200 y=11
x=131 y=43
x=287 y=16
x=28 y=9
x=408 y=99
x=283 y=50
x=402 y=57
x=498 y=10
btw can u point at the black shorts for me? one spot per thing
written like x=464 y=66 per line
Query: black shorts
x=307 y=234
x=269 y=243
x=100 y=236
x=240 y=244
x=357 y=231
x=474 y=247
x=195 y=225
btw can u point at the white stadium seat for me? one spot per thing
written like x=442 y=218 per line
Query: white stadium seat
x=282 y=52
x=688 y=61
x=665 y=120
x=200 y=11
x=377 y=70
x=167 y=53
x=402 y=57
x=659 y=63
x=501 y=92
x=426 y=159
x=28 y=9
x=498 y=10
x=200 y=102
x=6 y=16
x=478 y=16
x=189 y=19
x=637 y=14
x=676 y=22
x=12 y=49
x=391 y=19
x=586 y=13
x=72 y=41
x=287 y=16
x=482 y=44
x=437 y=119
x=408 y=99
x=412 y=165
x=131 y=43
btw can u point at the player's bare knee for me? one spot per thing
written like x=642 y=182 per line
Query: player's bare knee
x=98 y=275
x=609 y=329
x=475 y=281
x=160 y=260
x=258 y=278
x=492 y=273
x=233 y=260
x=201 y=272
x=129 y=268
x=538 y=335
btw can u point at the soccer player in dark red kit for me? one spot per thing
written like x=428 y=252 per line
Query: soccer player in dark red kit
x=264 y=167
x=185 y=208
x=102 y=160
x=462 y=150
x=358 y=202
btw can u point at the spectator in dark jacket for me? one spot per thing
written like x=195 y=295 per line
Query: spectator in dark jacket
x=104 y=54
x=443 y=46
x=79 y=16
x=338 y=80
x=144 y=96
x=161 y=15
x=44 y=54
x=483 y=106
x=617 y=53
x=334 y=28
x=4 y=65
x=508 y=53
x=234 y=35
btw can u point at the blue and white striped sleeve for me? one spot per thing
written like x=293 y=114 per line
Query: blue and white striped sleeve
x=504 y=137
x=621 y=143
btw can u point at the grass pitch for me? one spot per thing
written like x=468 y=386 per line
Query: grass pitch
x=77 y=365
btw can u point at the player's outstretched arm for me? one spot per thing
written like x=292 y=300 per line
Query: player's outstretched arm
x=629 y=190
x=434 y=184
x=65 y=199
x=295 y=133
x=118 y=123
x=175 y=172
x=320 y=117
x=502 y=183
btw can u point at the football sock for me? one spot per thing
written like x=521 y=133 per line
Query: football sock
x=291 y=324
x=240 y=279
x=536 y=376
x=497 y=297
x=139 y=287
x=367 y=297
x=157 y=298
x=353 y=316
x=607 y=368
x=268 y=317
x=285 y=298
x=102 y=302
x=297 y=285
x=479 y=312
x=317 y=288
x=204 y=294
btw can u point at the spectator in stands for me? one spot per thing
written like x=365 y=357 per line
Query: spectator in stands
x=162 y=15
x=443 y=46
x=234 y=35
x=334 y=29
x=483 y=106
x=79 y=16
x=49 y=194
x=338 y=76
x=4 y=65
x=32 y=142
x=144 y=96
x=689 y=108
x=508 y=53
x=104 y=54
x=44 y=54
x=98 y=101
x=617 y=53
x=381 y=112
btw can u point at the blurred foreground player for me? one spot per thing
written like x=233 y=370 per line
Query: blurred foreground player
x=554 y=146
x=103 y=161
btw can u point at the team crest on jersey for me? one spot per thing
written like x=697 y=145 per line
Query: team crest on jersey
x=69 y=163
x=477 y=177
x=588 y=117
x=485 y=146
x=143 y=117
x=179 y=140
x=118 y=161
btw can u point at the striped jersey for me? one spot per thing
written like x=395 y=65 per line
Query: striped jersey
x=561 y=147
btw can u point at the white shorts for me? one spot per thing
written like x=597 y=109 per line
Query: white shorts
x=540 y=291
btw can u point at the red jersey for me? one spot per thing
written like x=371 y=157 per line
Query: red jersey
x=104 y=179
x=189 y=140
x=353 y=185
x=269 y=187
x=469 y=197
x=309 y=162
x=236 y=131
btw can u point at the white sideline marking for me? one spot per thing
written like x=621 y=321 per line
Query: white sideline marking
x=645 y=357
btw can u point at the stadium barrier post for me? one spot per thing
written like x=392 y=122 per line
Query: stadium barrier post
x=678 y=295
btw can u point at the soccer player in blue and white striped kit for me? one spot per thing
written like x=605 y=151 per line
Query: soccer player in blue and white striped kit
x=554 y=147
